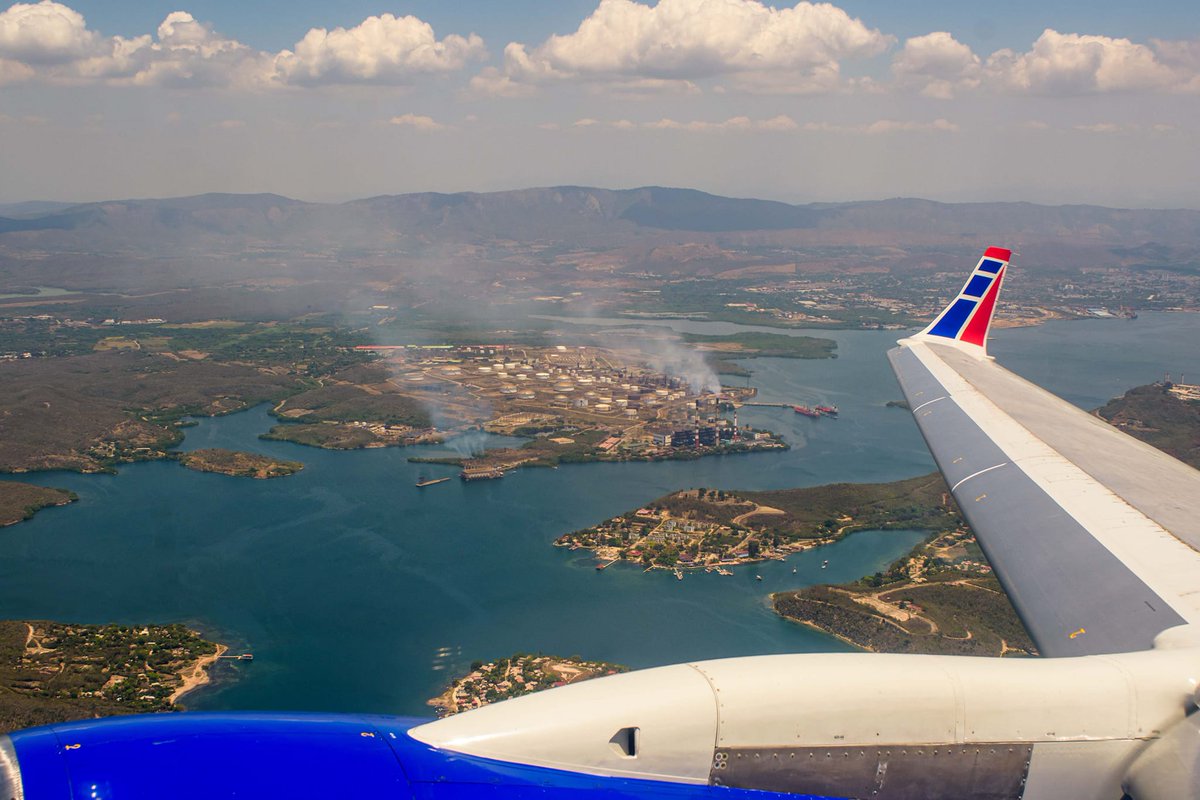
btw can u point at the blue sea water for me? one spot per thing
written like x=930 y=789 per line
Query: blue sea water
x=357 y=591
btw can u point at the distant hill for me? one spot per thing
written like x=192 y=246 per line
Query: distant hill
x=560 y=233
x=31 y=208
x=572 y=210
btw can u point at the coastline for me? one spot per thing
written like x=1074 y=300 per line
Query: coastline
x=197 y=675
x=828 y=631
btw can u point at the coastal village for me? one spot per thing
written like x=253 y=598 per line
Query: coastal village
x=712 y=529
x=517 y=675
x=673 y=537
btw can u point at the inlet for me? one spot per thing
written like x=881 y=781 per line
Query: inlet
x=625 y=742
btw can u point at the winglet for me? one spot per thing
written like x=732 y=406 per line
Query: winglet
x=969 y=316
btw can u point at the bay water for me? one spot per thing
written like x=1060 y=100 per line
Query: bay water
x=357 y=591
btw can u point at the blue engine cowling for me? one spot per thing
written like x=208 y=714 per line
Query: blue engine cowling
x=293 y=756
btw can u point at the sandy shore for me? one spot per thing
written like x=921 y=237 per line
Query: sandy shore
x=196 y=675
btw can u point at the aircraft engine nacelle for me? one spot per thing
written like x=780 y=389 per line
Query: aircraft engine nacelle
x=1169 y=768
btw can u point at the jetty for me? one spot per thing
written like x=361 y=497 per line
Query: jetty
x=431 y=481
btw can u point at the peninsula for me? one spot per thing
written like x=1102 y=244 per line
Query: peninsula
x=54 y=672
x=514 y=676
x=713 y=528
x=1166 y=415
x=238 y=464
x=20 y=501
x=941 y=599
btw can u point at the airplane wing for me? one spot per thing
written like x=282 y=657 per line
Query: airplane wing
x=1093 y=534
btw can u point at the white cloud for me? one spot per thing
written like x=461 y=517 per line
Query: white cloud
x=52 y=43
x=14 y=71
x=938 y=63
x=884 y=126
x=781 y=123
x=229 y=124
x=418 y=122
x=382 y=49
x=673 y=44
x=1071 y=63
x=905 y=126
x=778 y=123
x=1101 y=127
x=1057 y=64
x=44 y=33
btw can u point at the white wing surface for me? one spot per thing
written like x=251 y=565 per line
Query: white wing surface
x=1094 y=535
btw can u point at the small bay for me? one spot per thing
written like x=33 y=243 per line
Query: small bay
x=357 y=591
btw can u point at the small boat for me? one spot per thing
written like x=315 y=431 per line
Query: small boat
x=423 y=482
x=824 y=563
x=678 y=575
x=758 y=577
x=793 y=570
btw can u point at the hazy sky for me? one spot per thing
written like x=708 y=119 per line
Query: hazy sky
x=1058 y=102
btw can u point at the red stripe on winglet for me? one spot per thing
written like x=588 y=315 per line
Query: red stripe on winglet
x=998 y=253
x=977 y=328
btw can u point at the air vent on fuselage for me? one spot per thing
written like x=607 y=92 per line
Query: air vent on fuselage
x=625 y=742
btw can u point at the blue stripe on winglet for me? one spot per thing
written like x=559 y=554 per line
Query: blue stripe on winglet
x=952 y=320
x=990 y=265
x=977 y=285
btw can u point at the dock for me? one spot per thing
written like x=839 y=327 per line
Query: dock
x=606 y=564
x=431 y=482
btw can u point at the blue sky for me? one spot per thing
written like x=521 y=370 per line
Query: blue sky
x=1009 y=24
x=1050 y=102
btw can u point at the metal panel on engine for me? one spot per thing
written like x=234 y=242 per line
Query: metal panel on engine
x=931 y=772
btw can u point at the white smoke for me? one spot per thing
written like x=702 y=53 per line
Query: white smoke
x=669 y=355
x=470 y=444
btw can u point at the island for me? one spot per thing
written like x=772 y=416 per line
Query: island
x=714 y=528
x=54 y=672
x=514 y=676
x=724 y=351
x=941 y=599
x=20 y=501
x=238 y=464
